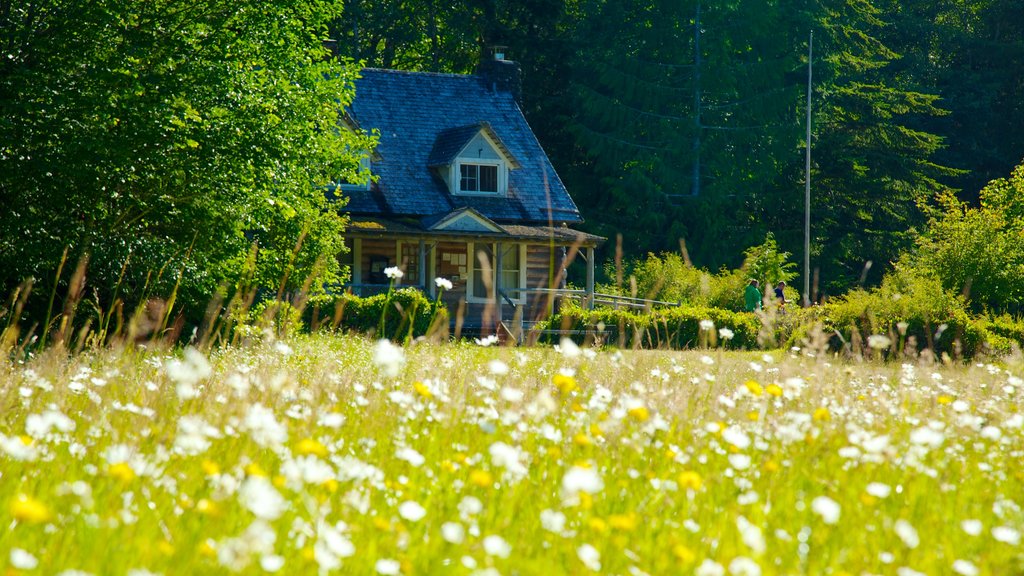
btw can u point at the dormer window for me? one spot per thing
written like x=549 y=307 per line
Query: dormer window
x=478 y=178
x=473 y=161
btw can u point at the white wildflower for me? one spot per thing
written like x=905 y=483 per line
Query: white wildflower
x=388 y=567
x=495 y=545
x=579 y=479
x=260 y=497
x=1006 y=535
x=443 y=283
x=827 y=508
x=388 y=357
x=907 y=533
x=879 y=341
x=743 y=566
x=965 y=568
x=393 y=272
x=590 y=557
x=411 y=456
x=411 y=511
x=264 y=428
x=23 y=560
x=453 y=532
x=878 y=490
x=971 y=527
x=552 y=520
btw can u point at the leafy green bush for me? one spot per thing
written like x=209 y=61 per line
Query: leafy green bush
x=977 y=251
x=906 y=308
x=397 y=315
x=678 y=327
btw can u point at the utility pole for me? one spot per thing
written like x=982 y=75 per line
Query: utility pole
x=807 y=182
x=695 y=190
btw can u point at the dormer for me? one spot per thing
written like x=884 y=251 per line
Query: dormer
x=473 y=161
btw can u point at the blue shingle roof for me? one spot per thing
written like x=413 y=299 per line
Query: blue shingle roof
x=411 y=110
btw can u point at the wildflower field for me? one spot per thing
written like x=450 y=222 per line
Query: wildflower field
x=323 y=455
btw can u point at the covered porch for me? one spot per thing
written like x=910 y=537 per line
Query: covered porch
x=503 y=277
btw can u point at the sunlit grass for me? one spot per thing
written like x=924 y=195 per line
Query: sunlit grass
x=338 y=454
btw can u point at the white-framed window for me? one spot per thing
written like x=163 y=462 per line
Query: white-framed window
x=513 y=271
x=480 y=178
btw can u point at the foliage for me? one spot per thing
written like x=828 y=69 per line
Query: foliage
x=668 y=277
x=977 y=251
x=166 y=140
x=403 y=313
x=677 y=327
x=910 y=310
x=280 y=318
x=767 y=264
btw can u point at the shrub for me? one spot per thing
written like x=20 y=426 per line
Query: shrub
x=397 y=315
x=678 y=327
x=907 y=308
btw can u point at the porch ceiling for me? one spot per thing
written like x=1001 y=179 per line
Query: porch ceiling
x=362 y=227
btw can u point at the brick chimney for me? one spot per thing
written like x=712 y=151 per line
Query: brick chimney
x=497 y=73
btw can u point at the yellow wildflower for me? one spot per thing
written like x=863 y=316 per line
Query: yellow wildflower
x=122 y=472
x=598 y=525
x=308 y=446
x=206 y=549
x=582 y=439
x=207 y=507
x=690 y=480
x=25 y=508
x=210 y=468
x=639 y=413
x=624 y=522
x=753 y=387
x=822 y=415
x=422 y=389
x=945 y=399
x=683 y=554
x=481 y=478
x=774 y=390
x=753 y=416
x=254 y=469
x=565 y=384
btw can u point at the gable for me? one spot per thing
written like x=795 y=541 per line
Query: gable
x=466 y=220
x=479 y=149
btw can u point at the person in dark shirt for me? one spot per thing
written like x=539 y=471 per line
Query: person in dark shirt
x=780 y=295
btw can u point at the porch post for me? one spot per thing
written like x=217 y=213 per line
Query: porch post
x=498 y=257
x=357 y=261
x=422 y=267
x=590 y=277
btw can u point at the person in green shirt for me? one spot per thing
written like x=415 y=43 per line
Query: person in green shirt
x=752 y=298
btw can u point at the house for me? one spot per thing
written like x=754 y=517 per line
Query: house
x=462 y=190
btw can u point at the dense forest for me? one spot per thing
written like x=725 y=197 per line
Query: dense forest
x=685 y=119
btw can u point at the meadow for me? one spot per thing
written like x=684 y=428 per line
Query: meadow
x=342 y=455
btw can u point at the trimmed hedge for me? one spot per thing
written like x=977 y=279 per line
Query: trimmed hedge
x=677 y=327
x=398 y=315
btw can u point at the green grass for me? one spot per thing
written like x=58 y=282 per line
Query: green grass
x=167 y=462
